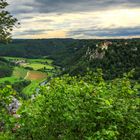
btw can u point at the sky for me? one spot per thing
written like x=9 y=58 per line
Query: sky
x=88 y=19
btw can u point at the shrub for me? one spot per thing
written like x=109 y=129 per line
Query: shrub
x=85 y=108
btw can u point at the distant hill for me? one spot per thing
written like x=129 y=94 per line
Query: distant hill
x=36 y=48
x=76 y=56
x=114 y=57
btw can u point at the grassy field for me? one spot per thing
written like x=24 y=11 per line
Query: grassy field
x=30 y=89
x=19 y=72
x=9 y=79
x=36 y=77
x=43 y=60
x=17 y=76
x=37 y=66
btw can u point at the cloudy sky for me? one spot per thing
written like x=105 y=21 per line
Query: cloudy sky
x=76 y=18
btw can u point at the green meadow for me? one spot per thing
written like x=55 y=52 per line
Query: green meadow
x=28 y=71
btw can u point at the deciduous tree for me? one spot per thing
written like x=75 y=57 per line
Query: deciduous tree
x=7 y=22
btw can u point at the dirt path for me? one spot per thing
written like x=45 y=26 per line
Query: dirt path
x=27 y=75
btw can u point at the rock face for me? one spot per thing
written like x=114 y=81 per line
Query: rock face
x=105 y=45
x=92 y=54
x=99 y=52
x=12 y=109
x=13 y=106
x=135 y=49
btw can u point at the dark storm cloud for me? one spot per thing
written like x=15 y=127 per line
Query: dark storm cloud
x=116 y=32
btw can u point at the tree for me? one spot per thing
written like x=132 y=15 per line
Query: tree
x=7 y=22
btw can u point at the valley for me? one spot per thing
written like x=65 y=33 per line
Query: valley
x=33 y=71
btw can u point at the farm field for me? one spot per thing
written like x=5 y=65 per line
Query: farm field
x=49 y=61
x=31 y=88
x=35 y=64
x=21 y=72
x=17 y=76
x=35 y=75
x=43 y=60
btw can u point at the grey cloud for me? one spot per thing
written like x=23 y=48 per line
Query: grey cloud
x=69 y=6
x=60 y=6
x=20 y=6
x=26 y=10
x=33 y=32
x=116 y=32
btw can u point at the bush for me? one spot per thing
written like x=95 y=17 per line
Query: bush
x=5 y=71
x=7 y=121
x=83 y=108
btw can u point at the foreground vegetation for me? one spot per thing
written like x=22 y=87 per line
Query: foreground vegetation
x=79 y=108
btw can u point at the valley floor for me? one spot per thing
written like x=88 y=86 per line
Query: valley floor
x=33 y=70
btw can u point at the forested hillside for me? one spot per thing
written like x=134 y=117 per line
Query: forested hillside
x=76 y=56
x=53 y=48
x=115 y=57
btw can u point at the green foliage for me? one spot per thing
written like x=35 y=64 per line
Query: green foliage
x=73 y=108
x=9 y=80
x=6 y=120
x=6 y=136
x=7 y=22
x=70 y=54
x=119 y=58
x=5 y=71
